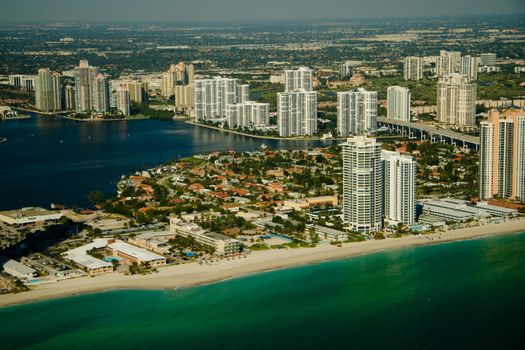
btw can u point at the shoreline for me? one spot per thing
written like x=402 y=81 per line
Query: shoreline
x=102 y=120
x=193 y=274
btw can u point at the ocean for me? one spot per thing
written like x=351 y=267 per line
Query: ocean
x=48 y=159
x=461 y=295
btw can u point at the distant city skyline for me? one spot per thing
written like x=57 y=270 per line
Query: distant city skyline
x=246 y=10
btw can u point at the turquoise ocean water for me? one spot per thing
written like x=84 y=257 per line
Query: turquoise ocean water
x=463 y=295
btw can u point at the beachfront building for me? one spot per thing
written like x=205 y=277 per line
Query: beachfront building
x=248 y=114
x=362 y=185
x=311 y=202
x=48 y=91
x=399 y=185
x=221 y=244
x=398 y=103
x=456 y=101
x=413 y=68
x=298 y=79
x=297 y=113
x=502 y=155
x=212 y=97
x=113 y=248
x=29 y=215
x=16 y=269
x=356 y=112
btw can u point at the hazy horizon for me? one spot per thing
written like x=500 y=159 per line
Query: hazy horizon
x=248 y=10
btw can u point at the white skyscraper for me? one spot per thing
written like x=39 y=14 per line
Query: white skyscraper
x=469 y=67
x=356 y=112
x=413 y=68
x=299 y=79
x=448 y=62
x=243 y=92
x=248 y=114
x=297 y=113
x=212 y=96
x=456 y=101
x=399 y=184
x=362 y=184
x=398 y=103
x=122 y=96
x=48 y=91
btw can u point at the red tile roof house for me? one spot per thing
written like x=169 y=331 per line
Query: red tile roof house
x=197 y=187
x=240 y=191
x=220 y=195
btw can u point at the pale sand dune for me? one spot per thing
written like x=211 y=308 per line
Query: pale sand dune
x=194 y=274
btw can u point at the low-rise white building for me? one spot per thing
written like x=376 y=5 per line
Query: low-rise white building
x=29 y=215
x=18 y=270
x=223 y=245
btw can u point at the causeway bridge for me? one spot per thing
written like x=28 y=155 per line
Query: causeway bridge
x=417 y=131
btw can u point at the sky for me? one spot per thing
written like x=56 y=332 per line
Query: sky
x=242 y=10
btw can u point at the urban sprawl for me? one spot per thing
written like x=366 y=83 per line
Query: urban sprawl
x=414 y=150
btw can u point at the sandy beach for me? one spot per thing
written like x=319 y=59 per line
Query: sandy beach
x=193 y=274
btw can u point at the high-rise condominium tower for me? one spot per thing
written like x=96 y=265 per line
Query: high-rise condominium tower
x=100 y=94
x=48 y=97
x=85 y=86
x=356 y=112
x=243 y=92
x=299 y=79
x=185 y=96
x=248 y=114
x=346 y=70
x=456 y=101
x=413 y=68
x=362 y=184
x=448 y=62
x=469 y=67
x=70 y=98
x=399 y=184
x=398 y=103
x=178 y=74
x=212 y=97
x=297 y=113
x=122 y=96
x=502 y=155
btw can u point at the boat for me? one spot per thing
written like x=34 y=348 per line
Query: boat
x=264 y=146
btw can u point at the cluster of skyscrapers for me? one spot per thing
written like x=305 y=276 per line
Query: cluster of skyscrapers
x=178 y=82
x=221 y=98
x=378 y=185
x=91 y=93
